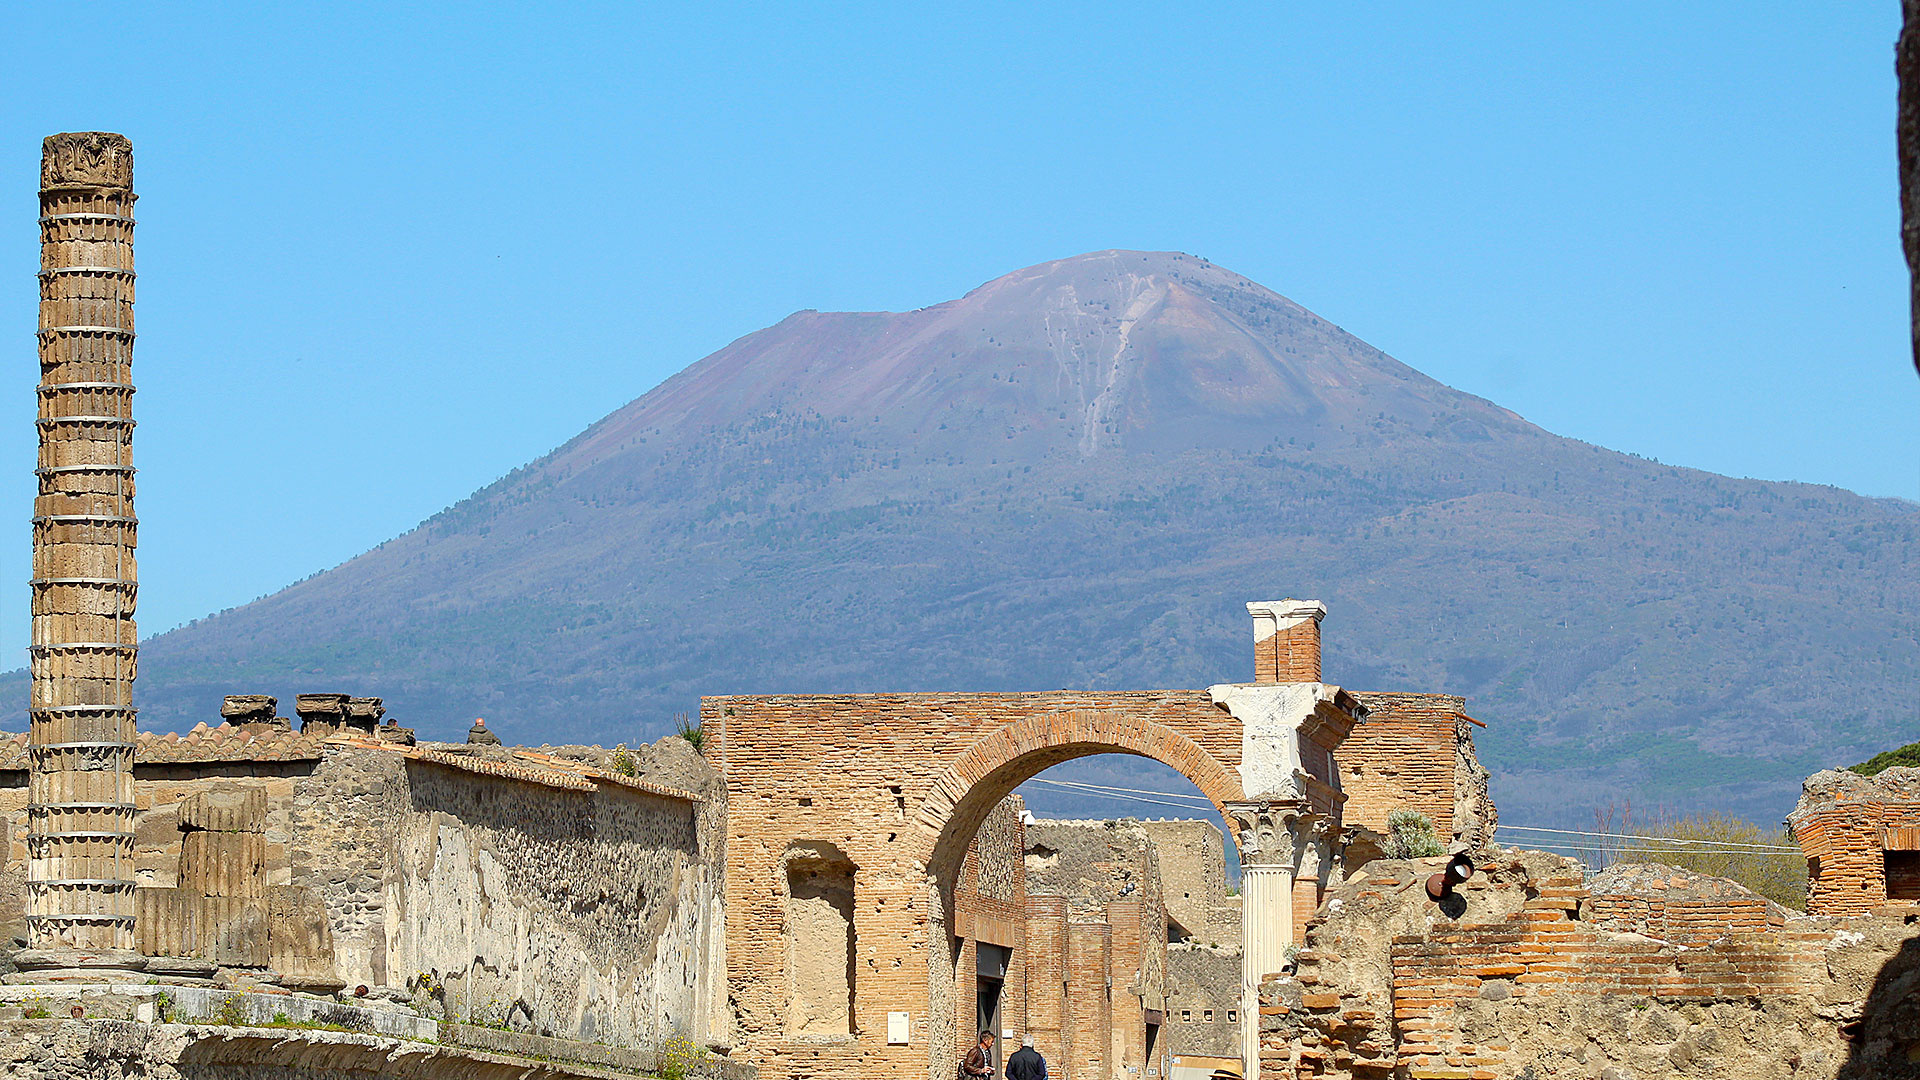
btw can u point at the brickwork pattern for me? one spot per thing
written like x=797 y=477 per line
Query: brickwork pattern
x=806 y=768
x=1845 y=845
x=1292 y=655
x=1458 y=994
x=1402 y=757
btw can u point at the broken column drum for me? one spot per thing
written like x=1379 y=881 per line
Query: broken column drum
x=80 y=798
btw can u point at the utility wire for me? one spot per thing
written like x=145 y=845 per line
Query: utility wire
x=1161 y=798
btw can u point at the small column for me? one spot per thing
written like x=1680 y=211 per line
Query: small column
x=1286 y=640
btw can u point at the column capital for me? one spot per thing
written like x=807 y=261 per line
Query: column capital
x=1271 y=832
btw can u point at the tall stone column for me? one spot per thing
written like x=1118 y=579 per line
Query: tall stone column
x=80 y=902
x=1270 y=839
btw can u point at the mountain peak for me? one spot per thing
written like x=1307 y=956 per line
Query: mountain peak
x=1110 y=351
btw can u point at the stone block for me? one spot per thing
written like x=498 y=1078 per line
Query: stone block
x=322 y=713
x=226 y=864
x=233 y=930
x=166 y=922
x=239 y=709
x=225 y=809
x=299 y=941
x=364 y=713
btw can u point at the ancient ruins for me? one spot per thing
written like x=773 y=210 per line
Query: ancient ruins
x=840 y=885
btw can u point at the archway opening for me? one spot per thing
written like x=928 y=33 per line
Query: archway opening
x=1093 y=960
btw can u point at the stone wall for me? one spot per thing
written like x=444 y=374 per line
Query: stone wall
x=1203 y=1000
x=1539 y=976
x=1193 y=878
x=590 y=914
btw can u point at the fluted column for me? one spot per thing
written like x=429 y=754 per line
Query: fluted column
x=81 y=744
x=1272 y=840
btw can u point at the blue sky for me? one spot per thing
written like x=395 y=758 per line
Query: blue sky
x=388 y=254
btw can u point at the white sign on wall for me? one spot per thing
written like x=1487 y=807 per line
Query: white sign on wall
x=896 y=1029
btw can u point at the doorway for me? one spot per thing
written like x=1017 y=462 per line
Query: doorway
x=991 y=980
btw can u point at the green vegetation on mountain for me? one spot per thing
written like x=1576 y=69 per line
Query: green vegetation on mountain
x=1907 y=756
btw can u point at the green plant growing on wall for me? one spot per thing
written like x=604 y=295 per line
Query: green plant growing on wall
x=624 y=762
x=679 y=1054
x=231 y=1013
x=691 y=730
x=1908 y=755
x=163 y=1007
x=1410 y=835
x=36 y=1008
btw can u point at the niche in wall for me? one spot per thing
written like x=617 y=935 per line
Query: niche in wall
x=819 y=939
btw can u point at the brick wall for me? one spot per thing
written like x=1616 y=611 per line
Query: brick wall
x=1089 y=1001
x=1559 y=975
x=1292 y=655
x=1402 y=757
x=1844 y=842
x=894 y=780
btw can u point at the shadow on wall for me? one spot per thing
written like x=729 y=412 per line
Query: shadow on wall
x=1885 y=1041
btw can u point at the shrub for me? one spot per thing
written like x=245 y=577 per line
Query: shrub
x=677 y=1054
x=1410 y=835
x=624 y=762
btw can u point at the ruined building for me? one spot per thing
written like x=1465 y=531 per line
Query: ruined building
x=837 y=885
x=880 y=798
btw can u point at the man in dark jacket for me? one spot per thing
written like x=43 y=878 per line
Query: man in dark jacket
x=1026 y=1063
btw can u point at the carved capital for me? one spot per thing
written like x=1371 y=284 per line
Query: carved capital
x=1271 y=833
x=86 y=158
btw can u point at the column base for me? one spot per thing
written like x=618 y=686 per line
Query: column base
x=77 y=966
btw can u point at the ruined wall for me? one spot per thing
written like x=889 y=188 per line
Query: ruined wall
x=1106 y=874
x=804 y=768
x=344 y=821
x=1541 y=977
x=1193 y=879
x=1861 y=838
x=1415 y=752
x=1203 y=1000
x=590 y=914
x=990 y=905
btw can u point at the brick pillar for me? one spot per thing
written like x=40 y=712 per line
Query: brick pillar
x=1089 y=1007
x=1046 y=941
x=79 y=895
x=1286 y=640
x=1129 y=1022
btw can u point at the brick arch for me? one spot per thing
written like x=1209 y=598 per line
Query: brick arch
x=989 y=771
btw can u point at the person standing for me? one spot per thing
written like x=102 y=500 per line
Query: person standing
x=1026 y=1062
x=977 y=1064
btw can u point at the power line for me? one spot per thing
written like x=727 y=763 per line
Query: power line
x=1675 y=841
x=1122 y=798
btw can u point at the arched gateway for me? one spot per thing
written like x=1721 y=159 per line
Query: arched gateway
x=843 y=964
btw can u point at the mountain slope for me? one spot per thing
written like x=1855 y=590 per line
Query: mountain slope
x=1073 y=476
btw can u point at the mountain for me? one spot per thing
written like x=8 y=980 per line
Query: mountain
x=1073 y=476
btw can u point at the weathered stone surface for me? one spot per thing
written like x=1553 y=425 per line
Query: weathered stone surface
x=223 y=863
x=299 y=941
x=252 y=709
x=233 y=931
x=228 y=808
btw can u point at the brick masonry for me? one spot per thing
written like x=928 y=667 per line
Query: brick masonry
x=1861 y=839
x=1542 y=976
x=901 y=783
